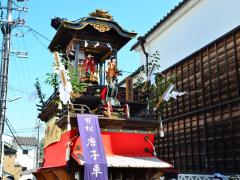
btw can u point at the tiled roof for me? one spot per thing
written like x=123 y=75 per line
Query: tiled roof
x=164 y=19
x=26 y=141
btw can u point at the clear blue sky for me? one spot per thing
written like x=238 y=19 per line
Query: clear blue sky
x=135 y=15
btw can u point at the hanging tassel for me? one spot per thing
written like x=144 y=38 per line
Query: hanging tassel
x=154 y=150
x=67 y=152
x=109 y=109
x=67 y=158
x=85 y=43
x=68 y=120
x=109 y=46
x=96 y=45
x=161 y=128
x=68 y=143
x=127 y=111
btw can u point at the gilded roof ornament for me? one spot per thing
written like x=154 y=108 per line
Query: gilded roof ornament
x=101 y=13
x=101 y=27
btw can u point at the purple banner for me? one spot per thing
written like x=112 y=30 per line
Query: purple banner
x=95 y=167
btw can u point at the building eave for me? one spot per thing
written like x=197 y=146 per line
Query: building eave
x=72 y=28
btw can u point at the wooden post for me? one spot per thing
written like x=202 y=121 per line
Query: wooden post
x=129 y=89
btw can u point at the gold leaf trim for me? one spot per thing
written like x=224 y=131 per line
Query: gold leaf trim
x=101 y=27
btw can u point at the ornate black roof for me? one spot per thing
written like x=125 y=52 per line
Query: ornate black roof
x=89 y=28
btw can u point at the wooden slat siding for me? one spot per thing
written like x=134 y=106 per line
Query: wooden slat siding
x=213 y=74
x=197 y=136
x=236 y=126
x=168 y=142
x=179 y=149
x=173 y=145
x=231 y=161
x=210 y=76
x=162 y=146
x=192 y=167
x=204 y=126
x=173 y=160
x=214 y=163
x=199 y=145
x=226 y=69
x=185 y=145
x=176 y=160
x=218 y=86
x=236 y=63
x=204 y=156
x=223 y=155
x=195 y=86
x=190 y=71
x=183 y=135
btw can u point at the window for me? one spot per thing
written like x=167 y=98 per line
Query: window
x=25 y=151
x=24 y=168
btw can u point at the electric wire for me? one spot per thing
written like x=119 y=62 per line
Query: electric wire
x=28 y=73
x=12 y=126
x=18 y=90
x=11 y=130
x=15 y=4
x=39 y=40
x=13 y=134
x=38 y=33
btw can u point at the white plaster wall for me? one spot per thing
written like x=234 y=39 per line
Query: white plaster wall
x=27 y=160
x=7 y=139
x=194 y=26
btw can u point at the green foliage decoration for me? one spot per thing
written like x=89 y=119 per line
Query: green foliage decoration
x=77 y=86
x=161 y=82
x=41 y=96
x=53 y=80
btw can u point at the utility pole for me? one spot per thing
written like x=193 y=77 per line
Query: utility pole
x=6 y=31
x=6 y=28
x=38 y=148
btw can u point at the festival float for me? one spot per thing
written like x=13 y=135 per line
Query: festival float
x=94 y=128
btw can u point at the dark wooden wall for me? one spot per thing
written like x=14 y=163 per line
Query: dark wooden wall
x=202 y=129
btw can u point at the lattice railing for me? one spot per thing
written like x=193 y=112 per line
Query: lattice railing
x=197 y=177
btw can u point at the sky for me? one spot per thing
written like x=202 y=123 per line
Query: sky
x=134 y=15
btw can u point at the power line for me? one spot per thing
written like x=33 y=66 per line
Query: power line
x=39 y=40
x=20 y=91
x=33 y=30
x=13 y=134
x=11 y=130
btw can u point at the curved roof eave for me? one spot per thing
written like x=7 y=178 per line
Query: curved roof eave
x=83 y=22
x=96 y=20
